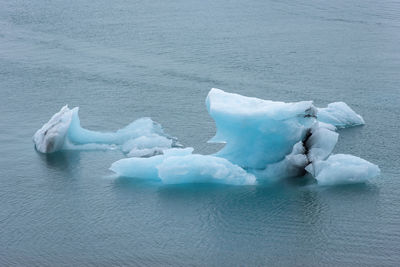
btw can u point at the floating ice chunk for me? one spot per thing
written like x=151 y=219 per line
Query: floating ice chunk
x=257 y=132
x=342 y=169
x=143 y=137
x=178 y=166
x=340 y=115
x=51 y=136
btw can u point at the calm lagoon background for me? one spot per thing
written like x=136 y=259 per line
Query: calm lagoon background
x=122 y=60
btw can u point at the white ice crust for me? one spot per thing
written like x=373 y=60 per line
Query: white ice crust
x=63 y=131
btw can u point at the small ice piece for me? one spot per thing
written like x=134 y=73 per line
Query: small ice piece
x=340 y=115
x=178 y=166
x=143 y=137
x=257 y=132
x=343 y=169
x=51 y=136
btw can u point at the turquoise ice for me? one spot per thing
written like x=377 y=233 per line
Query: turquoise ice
x=264 y=140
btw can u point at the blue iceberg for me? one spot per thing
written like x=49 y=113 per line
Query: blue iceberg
x=257 y=132
x=264 y=140
x=63 y=131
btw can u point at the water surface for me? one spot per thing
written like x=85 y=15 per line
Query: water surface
x=122 y=60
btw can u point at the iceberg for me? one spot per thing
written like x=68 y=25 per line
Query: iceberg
x=264 y=140
x=260 y=133
x=276 y=139
x=257 y=132
x=143 y=137
x=178 y=166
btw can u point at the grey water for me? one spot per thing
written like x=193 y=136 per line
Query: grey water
x=122 y=60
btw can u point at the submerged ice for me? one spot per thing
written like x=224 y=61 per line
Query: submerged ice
x=264 y=140
x=63 y=131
